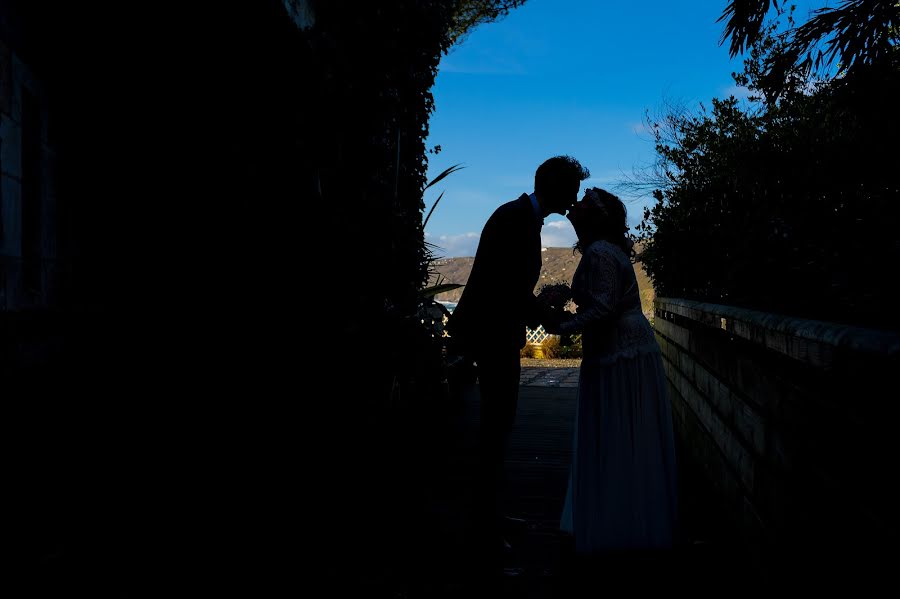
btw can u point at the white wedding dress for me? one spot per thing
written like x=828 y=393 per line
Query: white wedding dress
x=622 y=490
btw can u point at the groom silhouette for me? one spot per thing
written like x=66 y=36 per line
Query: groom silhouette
x=488 y=324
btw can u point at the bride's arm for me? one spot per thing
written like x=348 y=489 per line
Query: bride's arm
x=602 y=278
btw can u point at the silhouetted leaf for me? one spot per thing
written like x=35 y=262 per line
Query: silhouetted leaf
x=447 y=172
x=436 y=289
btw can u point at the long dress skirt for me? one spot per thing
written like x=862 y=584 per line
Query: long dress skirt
x=622 y=488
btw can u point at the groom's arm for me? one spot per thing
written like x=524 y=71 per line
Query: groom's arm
x=524 y=277
x=504 y=245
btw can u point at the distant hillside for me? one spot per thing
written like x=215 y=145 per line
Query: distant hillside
x=559 y=265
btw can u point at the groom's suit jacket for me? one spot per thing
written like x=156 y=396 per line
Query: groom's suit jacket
x=498 y=300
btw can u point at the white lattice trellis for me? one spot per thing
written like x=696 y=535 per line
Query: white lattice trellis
x=536 y=336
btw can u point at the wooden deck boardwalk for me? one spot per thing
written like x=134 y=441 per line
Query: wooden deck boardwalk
x=435 y=557
x=537 y=469
x=537 y=462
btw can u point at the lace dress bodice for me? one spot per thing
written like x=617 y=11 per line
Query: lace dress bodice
x=609 y=313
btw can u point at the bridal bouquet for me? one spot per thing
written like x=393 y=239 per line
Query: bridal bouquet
x=555 y=297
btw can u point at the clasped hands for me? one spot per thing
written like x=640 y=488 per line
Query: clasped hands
x=553 y=319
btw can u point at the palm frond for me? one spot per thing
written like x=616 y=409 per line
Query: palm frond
x=433 y=206
x=447 y=172
x=743 y=22
x=436 y=289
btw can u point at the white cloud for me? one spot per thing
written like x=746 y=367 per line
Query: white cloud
x=738 y=91
x=454 y=246
x=557 y=225
x=558 y=234
x=640 y=128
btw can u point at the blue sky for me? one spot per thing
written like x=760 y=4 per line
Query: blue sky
x=564 y=77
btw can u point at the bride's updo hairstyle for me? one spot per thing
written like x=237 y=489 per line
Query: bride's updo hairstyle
x=605 y=217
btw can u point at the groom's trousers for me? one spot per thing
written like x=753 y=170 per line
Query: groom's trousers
x=498 y=381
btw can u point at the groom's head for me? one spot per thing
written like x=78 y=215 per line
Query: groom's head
x=557 y=181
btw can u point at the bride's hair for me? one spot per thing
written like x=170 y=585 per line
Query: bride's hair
x=605 y=219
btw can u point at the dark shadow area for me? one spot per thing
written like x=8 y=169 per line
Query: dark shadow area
x=170 y=434
x=441 y=555
x=159 y=412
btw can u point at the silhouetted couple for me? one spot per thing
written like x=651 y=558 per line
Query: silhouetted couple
x=621 y=492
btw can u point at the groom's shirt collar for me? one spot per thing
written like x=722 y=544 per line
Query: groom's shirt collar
x=537 y=208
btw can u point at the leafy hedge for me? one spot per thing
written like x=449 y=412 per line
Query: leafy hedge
x=788 y=206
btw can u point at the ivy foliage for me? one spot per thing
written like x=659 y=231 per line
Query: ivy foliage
x=373 y=65
x=469 y=14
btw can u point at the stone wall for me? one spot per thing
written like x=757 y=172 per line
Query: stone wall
x=28 y=232
x=792 y=423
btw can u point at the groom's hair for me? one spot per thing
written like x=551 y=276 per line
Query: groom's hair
x=558 y=171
